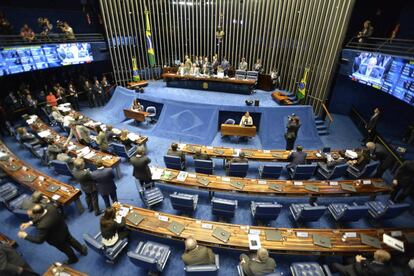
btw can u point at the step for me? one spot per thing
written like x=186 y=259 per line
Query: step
x=320 y=127
x=319 y=122
x=323 y=132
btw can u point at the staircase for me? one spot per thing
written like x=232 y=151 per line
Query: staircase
x=321 y=126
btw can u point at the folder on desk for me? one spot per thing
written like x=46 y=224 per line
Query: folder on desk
x=275 y=155
x=371 y=241
x=322 y=241
x=237 y=184
x=273 y=235
x=176 y=227
x=219 y=152
x=14 y=167
x=312 y=188
x=380 y=185
x=52 y=188
x=276 y=187
x=29 y=178
x=203 y=181
x=167 y=175
x=221 y=234
x=135 y=218
x=348 y=187
x=248 y=153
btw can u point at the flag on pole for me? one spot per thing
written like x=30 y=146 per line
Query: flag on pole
x=302 y=85
x=135 y=75
x=151 y=54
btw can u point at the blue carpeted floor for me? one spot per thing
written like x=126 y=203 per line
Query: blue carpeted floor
x=343 y=134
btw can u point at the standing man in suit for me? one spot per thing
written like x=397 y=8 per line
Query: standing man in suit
x=104 y=178
x=99 y=93
x=380 y=153
x=196 y=254
x=12 y=263
x=403 y=181
x=142 y=172
x=52 y=228
x=80 y=132
x=371 y=126
x=297 y=157
x=260 y=264
x=88 y=185
x=290 y=138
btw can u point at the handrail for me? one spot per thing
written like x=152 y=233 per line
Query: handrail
x=395 y=46
x=326 y=110
x=16 y=40
x=389 y=149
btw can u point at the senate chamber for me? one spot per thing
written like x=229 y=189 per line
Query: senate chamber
x=207 y=137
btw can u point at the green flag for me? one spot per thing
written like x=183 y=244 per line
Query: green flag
x=302 y=85
x=151 y=54
x=135 y=75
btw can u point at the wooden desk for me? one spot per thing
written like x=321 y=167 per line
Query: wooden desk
x=64 y=268
x=109 y=160
x=252 y=154
x=136 y=115
x=137 y=84
x=291 y=244
x=14 y=168
x=236 y=130
x=288 y=188
x=6 y=240
x=281 y=98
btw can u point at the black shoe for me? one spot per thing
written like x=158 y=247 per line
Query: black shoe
x=68 y=262
x=84 y=250
x=90 y=210
x=98 y=213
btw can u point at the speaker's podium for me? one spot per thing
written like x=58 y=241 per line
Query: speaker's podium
x=236 y=130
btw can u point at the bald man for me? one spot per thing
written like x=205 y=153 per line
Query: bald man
x=259 y=264
x=196 y=254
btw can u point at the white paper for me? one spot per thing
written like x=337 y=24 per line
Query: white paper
x=302 y=234
x=182 y=146
x=351 y=154
x=266 y=151
x=123 y=212
x=55 y=197
x=156 y=173
x=262 y=182
x=254 y=231
x=133 y=136
x=393 y=242
x=227 y=179
x=333 y=183
x=207 y=226
x=163 y=218
x=182 y=176
x=44 y=133
x=366 y=182
x=192 y=175
x=116 y=131
x=254 y=242
x=236 y=152
x=350 y=234
x=297 y=183
x=3 y=154
x=210 y=147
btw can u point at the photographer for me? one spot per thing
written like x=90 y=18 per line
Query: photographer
x=66 y=29
x=27 y=33
x=46 y=27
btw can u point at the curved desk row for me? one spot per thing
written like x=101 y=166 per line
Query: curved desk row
x=215 y=183
x=35 y=180
x=6 y=240
x=277 y=240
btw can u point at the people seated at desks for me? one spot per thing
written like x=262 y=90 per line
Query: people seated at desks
x=206 y=67
x=246 y=120
x=201 y=155
x=240 y=159
x=52 y=150
x=181 y=69
x=101 y=139
x=362 y=266
x=123 y=138
x=195 y=71
x=136 y=105
x=297 y=157
x=173 y=151
x=27 y=137
x=243 y=65
x=57 y=115
x=81 y=133
x=12 y=262
x=259 y=264
x=332 y=160
x=64 y=157
x=363 y=159
x=105 y=184
x=51 y=99
x=258 y=67
x=225 y=65
x=87 y=184
x=195 y=254
x=187 y=64
x=111 y=230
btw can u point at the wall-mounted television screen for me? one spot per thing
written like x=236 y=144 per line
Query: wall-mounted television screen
x=391 y=74
x=28 y=58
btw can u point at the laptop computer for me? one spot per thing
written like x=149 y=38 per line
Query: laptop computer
x=203 y=181
x=322 y=241
x=29 y=178
x=221 y=234
x=52 y=188
x=273 y=235
x=237 y=184
x=134 y=218
x=348 y=187
x=312 y=188
x=176 y=227
x=371 y=241
x=276 y=187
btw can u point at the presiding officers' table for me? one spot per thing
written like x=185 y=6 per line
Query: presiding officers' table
x=57 y=267
x=6 y=240
x=135 y=114
x=236 y=130
x=228 y=85
x=285 y=241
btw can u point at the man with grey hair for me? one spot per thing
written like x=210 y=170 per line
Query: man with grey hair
x=259 y=264
x=196 y=254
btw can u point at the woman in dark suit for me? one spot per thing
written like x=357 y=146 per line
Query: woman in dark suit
x=111 y=230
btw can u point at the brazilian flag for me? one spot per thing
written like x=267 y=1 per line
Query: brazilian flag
x=302 y=85
x=135 y=75
x=151 y=54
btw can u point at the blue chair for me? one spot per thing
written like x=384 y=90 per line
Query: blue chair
x=204 y=166
x=241 y=272
x=265 y=210
x=61 y=167
x=184 y=202
x=223 y=207
x=238 y=169
x=252 y=75
x=150 y=195
x=326 y=150
x=306 y=212
x=15 y=206
x=110 y=253
x=150 y=255
x=380 y=210
x=210 y=269
x=38 y=152
x=8 y=191
x=240 y=74
x=230 y=121
x=306 y=269
x=365 y=172
x=174 y=162
x=120 y=150
x=343 y=212
x=302 y=171
x=152 y=114
x=336 y=172
x=270 y=171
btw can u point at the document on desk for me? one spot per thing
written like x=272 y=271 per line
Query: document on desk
x=89 y=155
x=182 y=176
x=254 y=241
x=156 y=173
x=44 y=133
x=133 y=136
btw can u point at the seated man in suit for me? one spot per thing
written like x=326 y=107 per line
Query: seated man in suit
x=379 y=266
x=201 y=155
x=196 y=254
x=260 y=264
x=173 y=151
x=53 y=150
x=57 y=115
x=80 y=132
x=362 y=160
x=246 y=120
x=240 y=159
x=64 y=157
x=136 y=105
x=297 y=157
x=332 y=160
x=104 y=178
x=380 y=153
x=12 y=263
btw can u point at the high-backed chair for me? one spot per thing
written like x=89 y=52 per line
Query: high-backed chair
x=120 y=150
x=15 y=206
x=150 y=255
x=152 y=114
x=240 y=74
x=367 y=171
x=270 y=171
x=241 y=272
x=204 y=270
x=230 y=121
x=174 y=162
x=223 y=207
x=204 y=166
x=238 y=169
x=110 y=253
x=265 y=210
x=252 y=75
x=380 y=210
x=38 y=152
x=184 y=202
x=8 y=191
x=61 y=167
x=305 y=171
x=306 y=268
x=150 y=194
x=305 y=212
x=343 y=212
x=336 y=172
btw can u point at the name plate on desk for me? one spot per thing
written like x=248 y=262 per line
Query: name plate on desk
x=277 y=156
x=297 y=183
x=218 y=152
x=380 y=185
x=302 y=234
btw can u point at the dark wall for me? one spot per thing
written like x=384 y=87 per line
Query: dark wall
x=406 y=21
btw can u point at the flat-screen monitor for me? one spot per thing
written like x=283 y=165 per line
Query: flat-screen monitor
x=391 y=74
x=15 y=60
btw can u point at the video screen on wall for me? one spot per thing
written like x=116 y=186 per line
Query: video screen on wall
x=393 y=75
x=15 y=60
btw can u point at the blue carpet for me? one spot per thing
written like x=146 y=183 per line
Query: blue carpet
x=343 y=134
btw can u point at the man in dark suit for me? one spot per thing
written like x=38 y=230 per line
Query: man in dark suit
x=362 y=267
x=362 y=160
x=52 y=228
x=240 y=159
x=104 y=178
x=290 y=138
x=200 y=155
x=371 y=126
x=141 y=171
x=88 y=185
x=196 y=254
x=380 y=153
x=173 y=151
x=335 y=160
x=12 y=263
x=260 y=264
x=297 y=157
x=403 y=181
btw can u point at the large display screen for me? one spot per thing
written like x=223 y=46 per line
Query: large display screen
x=23 y=59
x=393 y=75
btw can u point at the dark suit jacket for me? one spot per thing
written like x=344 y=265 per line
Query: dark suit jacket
x=201 y=156
x=239 y=160
x=254 y=268
x=201 y=255
x=372 y=268
x=405 y=174
x=11 y=261
x=373 y=121
x=297 y=158
x=109 y=231
x=178 y=153
x=141 y=168
x=85 y=179
x=382 y=155
x=363 y=160
x=104 y=179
